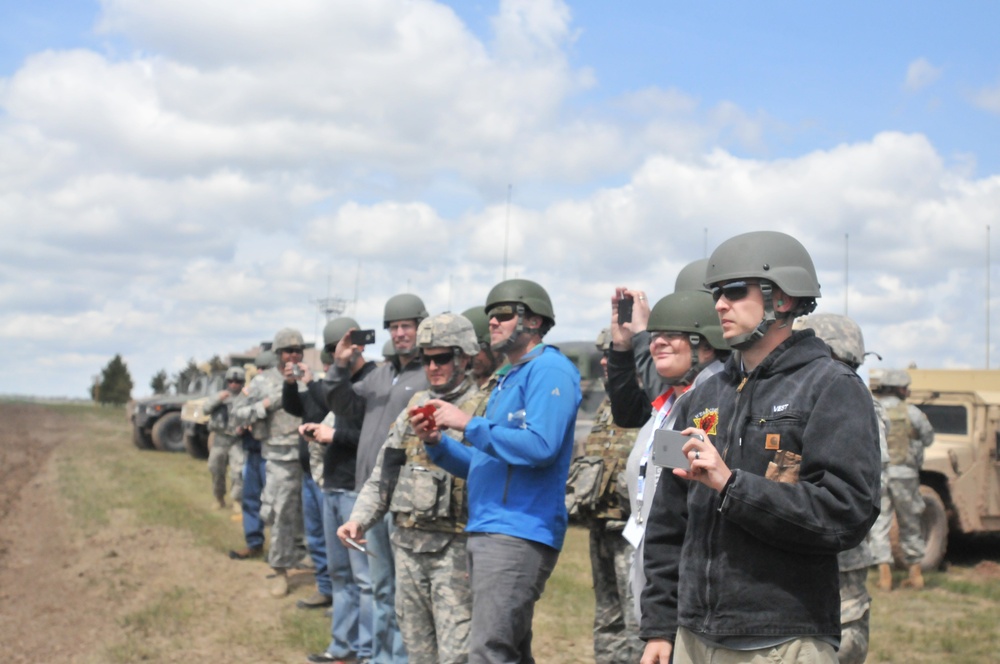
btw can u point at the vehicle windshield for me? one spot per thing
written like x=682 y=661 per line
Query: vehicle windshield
x=947 y=419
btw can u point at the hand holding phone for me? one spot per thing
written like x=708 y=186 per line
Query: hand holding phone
x=668 y=449
x=428 y=413
x=625 y=309
x=362 y=337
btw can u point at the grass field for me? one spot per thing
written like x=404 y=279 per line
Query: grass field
x=954 y=620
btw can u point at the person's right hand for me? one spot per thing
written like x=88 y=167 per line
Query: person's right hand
x=316 y=431
x=345 y=350
x=351 y=530
x=657 y=652
x=621 y=335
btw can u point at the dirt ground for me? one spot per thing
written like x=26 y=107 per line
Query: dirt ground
x=68 y=597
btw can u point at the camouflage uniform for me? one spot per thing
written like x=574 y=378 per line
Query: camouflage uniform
x=616 y=631
x=278 y=434
x=433 y=597
x=227 y=448
x=909 y=432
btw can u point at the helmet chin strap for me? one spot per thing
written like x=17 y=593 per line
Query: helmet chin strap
x=745 y=341
x=511 y=340
x=695 y=341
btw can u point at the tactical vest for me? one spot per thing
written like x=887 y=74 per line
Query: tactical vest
x=426 y=496
x=900 y=434
x=593 y=482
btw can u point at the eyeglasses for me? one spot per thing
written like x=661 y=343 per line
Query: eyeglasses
x=440 y=359
x=733 y=291
x=235 y=380
x=502 y=313
x=668 y=335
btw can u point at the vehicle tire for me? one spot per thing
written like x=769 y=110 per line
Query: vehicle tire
x=195 y=445
x=933 y=528
x=141 y=440
x=168 y=433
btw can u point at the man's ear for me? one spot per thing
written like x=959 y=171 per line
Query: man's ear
x=782 y=303
x=533 y=322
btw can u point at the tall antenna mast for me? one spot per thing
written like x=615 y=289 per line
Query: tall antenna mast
x=506 y=233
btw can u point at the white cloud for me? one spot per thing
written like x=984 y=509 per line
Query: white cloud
x=920 y=73
x=988 y=99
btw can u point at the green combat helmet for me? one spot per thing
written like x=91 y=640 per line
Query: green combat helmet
x=772 y=258
x=477 y=316
x=524 y=298
x=287 y=338
x=388 y=350
x=691 y=311
x=265 y=360
x=603 y=342
x=692 y=276
x=405 y=306
x=325 y=357
x=336 y=329
x=235 y=373
x=840 y=333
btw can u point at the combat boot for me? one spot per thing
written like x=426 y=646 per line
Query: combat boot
x=916 y=579
x=247 y=553
x=884 y=576
x=278 y=587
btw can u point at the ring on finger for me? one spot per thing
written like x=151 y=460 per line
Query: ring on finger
x=697 y=454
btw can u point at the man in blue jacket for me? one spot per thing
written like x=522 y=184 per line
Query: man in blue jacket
x=516 y=470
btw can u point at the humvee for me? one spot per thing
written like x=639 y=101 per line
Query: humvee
x=156 y=420
x=960 y=477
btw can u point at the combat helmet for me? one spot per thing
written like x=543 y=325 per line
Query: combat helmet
x=266 y=359
x=524 y=298
x=448 y=331
x=692 y=276
x=335 y=330
x=477 y=316
x=888 y=379
x=774 y=259
x=603 y=342
x=840 y=333
x=404 y=306
x=235 y=373
x=287 y=337
x=690 y=311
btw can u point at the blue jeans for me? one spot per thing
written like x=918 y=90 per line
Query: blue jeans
x=312 y=517
x=351 y=627
x=253 y=486
x=387 y=647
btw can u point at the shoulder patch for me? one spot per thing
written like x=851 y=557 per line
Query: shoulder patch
x=707 y=420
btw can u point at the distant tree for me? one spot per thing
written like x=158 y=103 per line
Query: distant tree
x=159 y=383
x=183 y=377
x=217 y=364
x=116 y=383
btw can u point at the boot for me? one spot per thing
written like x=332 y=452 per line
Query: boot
x=247 y=553
x=884 y=577
x=916 y=579
x=278 y=587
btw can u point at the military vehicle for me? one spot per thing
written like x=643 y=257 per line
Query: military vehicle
x=156 y=420
x=960 y=476
x=587 y=358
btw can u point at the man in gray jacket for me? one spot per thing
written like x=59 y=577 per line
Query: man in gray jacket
x=380 y=396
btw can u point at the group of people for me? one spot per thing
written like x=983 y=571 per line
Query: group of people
x=434 y=490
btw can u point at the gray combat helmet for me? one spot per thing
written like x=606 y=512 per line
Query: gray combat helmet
x=448 y=331
x=235 y=373
x=692 y=276
x=477 y=316
x=888 y=378
x=691 y=311
x=840 y=333
x=265 y=360
x=603 y=342
x=336 y=329
x=287 y=337
x=772 y=258
x=405 y=306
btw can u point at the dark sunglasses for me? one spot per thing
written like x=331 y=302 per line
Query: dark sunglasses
x=235 y=380
x=439 y=359
x=292 y=349
x=733 y=291
x=502 y=313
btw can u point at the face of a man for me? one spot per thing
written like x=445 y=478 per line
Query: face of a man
x=291 y=354
x=740 y=306
x=483 y=364
x=440 y=366
x=671 y=353
x=404 y=335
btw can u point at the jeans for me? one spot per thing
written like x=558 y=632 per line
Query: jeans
x=253 y=486
x=312 y=517
x=387 y=646
x=351 y=627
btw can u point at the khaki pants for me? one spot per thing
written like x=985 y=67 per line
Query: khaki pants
x=690 y=649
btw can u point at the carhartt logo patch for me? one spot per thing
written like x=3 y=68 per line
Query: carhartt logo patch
x=555 y=392
x=772 y=441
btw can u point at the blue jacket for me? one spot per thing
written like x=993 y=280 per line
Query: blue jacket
x=521 y=450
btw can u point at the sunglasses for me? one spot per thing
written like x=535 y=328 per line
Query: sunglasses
x=733 y=291
x=502 y=313
x=234 y=380
x=292 y=349
x=441 y=359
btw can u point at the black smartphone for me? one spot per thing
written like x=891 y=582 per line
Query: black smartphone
x=625 y=309
x=362 y=337
x=667 y=451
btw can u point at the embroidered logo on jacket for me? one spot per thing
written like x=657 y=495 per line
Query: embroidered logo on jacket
x=707 y=420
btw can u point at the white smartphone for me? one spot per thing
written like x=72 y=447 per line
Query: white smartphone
x=667 y=451
x=359 y=547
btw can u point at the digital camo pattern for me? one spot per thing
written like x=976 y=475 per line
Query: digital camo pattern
x=855 y=604
x=434 y=603
x=616 y=632
x=448 y=331
x=612 y=444
x=840 y=333
x=276 y=429
x=283 y=500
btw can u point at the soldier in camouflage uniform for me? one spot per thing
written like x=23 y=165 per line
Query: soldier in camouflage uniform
x=597 y=495
x=847 y=344
x=433 y=600
x=909 y=432
x=278 y=433
x=227 y=450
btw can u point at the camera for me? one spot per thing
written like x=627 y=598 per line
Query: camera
x=362 y=337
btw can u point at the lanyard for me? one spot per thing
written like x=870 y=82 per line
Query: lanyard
x=667 y=399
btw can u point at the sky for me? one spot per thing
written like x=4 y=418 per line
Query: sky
x=180 y=179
